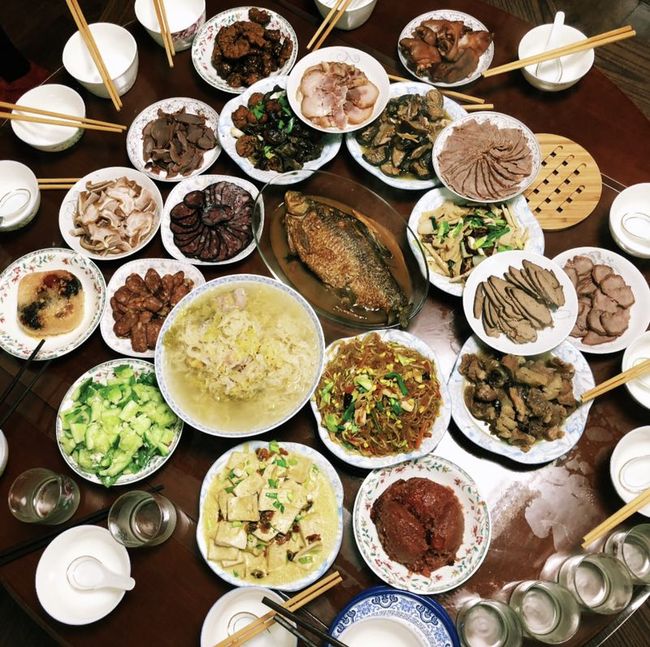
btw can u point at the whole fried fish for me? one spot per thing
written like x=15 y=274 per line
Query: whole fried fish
x=345 y=254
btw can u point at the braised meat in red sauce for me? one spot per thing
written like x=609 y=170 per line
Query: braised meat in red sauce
x=420 y=524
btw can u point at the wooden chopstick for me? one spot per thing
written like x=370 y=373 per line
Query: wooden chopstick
x=337 y=17
x=57 y=180
x=23 y=368
x=58 y=122
x=52 y=187
x=473 y=107
x=326 y=20
x=605 y=38
x=305 y=640
x=617 y=380
x=618 y=517
x=23 y=395
x=447 y=93
x=88 y=38
x=161 y=15
x=49 y=113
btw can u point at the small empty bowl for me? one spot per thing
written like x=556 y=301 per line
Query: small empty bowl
x=635 y=353
x=185 y=18
x=118 y=50
x=56 y=98
x=19 y=195
x=629 y=220
x=632 y=445
x=573 y=67
x=355 y=15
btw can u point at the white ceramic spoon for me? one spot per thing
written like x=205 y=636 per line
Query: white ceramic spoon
x=635 y=474
x=88 y=573
x=551 y=70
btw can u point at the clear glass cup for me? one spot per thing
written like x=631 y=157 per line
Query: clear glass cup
x=548 y=611
x=141 y=518
x=599 y=582
x=632 y=547
x=40 y=495
x=488 y=623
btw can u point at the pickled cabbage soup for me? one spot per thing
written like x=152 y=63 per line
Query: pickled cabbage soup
x=239 y=359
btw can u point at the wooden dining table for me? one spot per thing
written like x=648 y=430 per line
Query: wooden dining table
x=539 y=513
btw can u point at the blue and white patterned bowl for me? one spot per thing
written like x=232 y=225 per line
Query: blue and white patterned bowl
x=542 y=451
x=323 y=464
x=390 y=614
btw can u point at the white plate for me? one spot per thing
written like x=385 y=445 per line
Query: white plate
x=454 y=110
x=68 y=209
x=331 y=143
x=634 y=354
x=476 y=536
x=640 y=310
x=564 y=317
x=134 y=138
x=122 y=345
x=198 y=183
x=102 y=373
x=57 y=596
x=447 y=14
x=4 y=452
x=18 y=343
x=633 y=444
x=323 y=464
x=364 y=62
x=501 y=121
x=440 y=424
x=435 y=198
x=542 y=451
x=203 y=45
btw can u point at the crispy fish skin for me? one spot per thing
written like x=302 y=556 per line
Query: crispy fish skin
x=344 y=254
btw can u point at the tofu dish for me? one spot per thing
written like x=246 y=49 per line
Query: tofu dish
x=270 y=517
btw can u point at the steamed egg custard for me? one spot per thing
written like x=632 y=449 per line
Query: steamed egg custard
x=270 y=516
x=241 y=358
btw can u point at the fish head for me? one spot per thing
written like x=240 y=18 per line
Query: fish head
x=296 y=203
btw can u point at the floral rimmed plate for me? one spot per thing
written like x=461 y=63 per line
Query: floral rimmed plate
x=453 y=109
x=399 y=617
x=102 y=373
x=122 y=345
x=542 y=451
x=134 y=138
x=438 y=428
x=323 y=464
x=476 y=536
x=447 y=14
x=19 y=344
x=436 y=197
x=204 y=44
x=228 y=138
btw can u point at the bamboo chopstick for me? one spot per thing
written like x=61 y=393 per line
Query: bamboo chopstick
x=52 y=187
x=617 y=380
x=326 y=20
x=161 y=15
x=618 y=517
x=473 y=107
x=59 y=122
x=49 y=113
x=337 y=17
x=605 y=38
x=57 y=180
x=91 y=45
x=447 y=93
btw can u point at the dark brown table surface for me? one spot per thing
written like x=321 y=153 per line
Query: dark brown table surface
x=536 y=513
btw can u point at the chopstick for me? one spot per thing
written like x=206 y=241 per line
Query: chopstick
x=23 y=395
x=32 y=545
x=326 y=20
x=70 y=123
x=296 y=632
x=161 y=15
x=281 y=611
x=337 y=17
x=618 y=517
x=49 y=113
x=307 y=612
x=605 y=38
x=447 y=93
x=91 y=45
x=473 y=107
x=617 y=380
x=23 y=368
x=293 y=604
x=57 y=183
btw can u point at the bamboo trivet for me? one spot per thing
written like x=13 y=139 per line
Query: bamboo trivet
x=568 y=185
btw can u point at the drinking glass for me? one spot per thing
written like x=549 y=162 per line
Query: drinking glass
x=632 y=547
x=547 y=611
x=488 y=623
x=141 y=518
x=40 y=495
x=599 y=582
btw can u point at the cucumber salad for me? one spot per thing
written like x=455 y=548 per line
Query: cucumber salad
x=119 y=425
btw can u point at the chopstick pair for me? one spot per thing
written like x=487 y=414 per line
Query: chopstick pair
x=605 y=38
x=91 y=45
x=447 y=93
x=617 y=380
x=335 y=14
x=161 y=15
x=45 y=184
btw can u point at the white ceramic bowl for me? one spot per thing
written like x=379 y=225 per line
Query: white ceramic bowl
x=119 y=51
x=629 y=220
x=185 y=18
x=634 y=354
x=354 y=16
x=20 y=197
x=57 y=98
x=574 y=66
x=633 y=444
x=4 y=452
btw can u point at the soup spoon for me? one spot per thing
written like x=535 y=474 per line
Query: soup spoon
x=635 y=474
x=556 y=64
x=88 y=573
